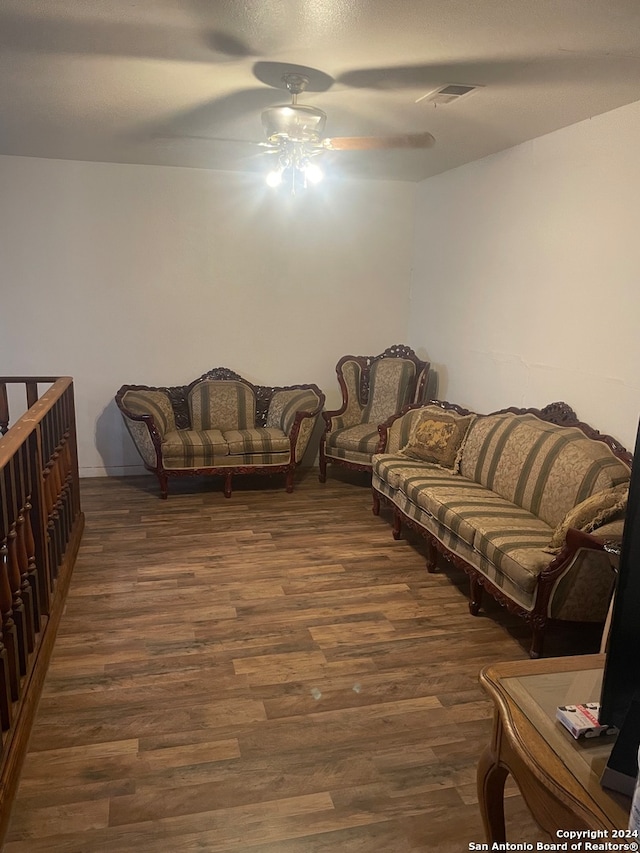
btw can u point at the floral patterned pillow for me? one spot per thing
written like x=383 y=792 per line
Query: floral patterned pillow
x=438 y=438
x=592 y=513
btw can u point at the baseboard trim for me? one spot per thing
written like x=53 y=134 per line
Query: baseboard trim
x=114 y=471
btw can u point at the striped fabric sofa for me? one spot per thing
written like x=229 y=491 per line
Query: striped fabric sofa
x=504 y=503
x=220 y=424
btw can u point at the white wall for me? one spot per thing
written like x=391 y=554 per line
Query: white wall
x=120 y=274
x=526 y=280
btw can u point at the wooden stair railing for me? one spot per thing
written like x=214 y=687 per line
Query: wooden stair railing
x=41 y=525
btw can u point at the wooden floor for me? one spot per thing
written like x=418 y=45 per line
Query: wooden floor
x=271 y=673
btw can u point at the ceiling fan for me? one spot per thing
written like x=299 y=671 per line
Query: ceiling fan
x=294 y=132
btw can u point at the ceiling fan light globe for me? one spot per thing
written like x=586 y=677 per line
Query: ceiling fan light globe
x=313 y=173
x=274 y=178
x=295 y=122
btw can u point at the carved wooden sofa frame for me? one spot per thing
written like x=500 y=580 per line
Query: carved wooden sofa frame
x=147 y=432
x=575 y=546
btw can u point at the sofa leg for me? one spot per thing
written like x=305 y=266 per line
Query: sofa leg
x=475 y=596
x=376 y=503
x=164 y=486
x=432 y=557
x=322 y=475
x=227 y=484
x=397 y=525
x=289 y=482
x=537 y=639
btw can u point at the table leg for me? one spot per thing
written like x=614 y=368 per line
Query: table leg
x=491 y=777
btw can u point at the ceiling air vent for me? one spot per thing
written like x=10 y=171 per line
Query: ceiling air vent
x=447 y=94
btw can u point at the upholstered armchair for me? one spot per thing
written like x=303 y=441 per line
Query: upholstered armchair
x=374 y=388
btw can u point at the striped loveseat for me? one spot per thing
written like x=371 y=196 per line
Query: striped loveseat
x=220 y=424
x=502 y=495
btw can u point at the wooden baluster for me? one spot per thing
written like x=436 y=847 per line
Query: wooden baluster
x=4 y=408
x=52 y=539
x=58 y=537
x=55 y=472
x=5 y=687
x=66 y=454
x=25 y=586
x=67 y=512
x=32 y=568
x=32 y=394
x=46 y=495
x=48 y=482
x=17 y=605
x=61 y=508
x=55 y=513
x=38 y=501
x=69 y=502
x=9 y=631
x=64 y=509
x=26 y=548
x=51 y=551
x=52 y=534
x=5 y=681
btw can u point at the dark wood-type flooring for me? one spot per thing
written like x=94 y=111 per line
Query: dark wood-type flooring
x=271 y=673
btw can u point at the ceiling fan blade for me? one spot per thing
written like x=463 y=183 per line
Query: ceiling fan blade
x=376 y=143
x=234 y=140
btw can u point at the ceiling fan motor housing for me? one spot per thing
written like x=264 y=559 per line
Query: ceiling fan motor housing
x=295 y=122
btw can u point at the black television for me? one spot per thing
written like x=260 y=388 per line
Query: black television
x=621 y=679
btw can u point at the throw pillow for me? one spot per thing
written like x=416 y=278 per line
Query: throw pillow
x=438 y=438
x=592 y=512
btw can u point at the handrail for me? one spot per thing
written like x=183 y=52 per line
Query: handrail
x=41 y=525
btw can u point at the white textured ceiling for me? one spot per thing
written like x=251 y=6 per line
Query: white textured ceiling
x=141 y=81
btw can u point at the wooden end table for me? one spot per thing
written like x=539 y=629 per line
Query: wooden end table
x=557 y=775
